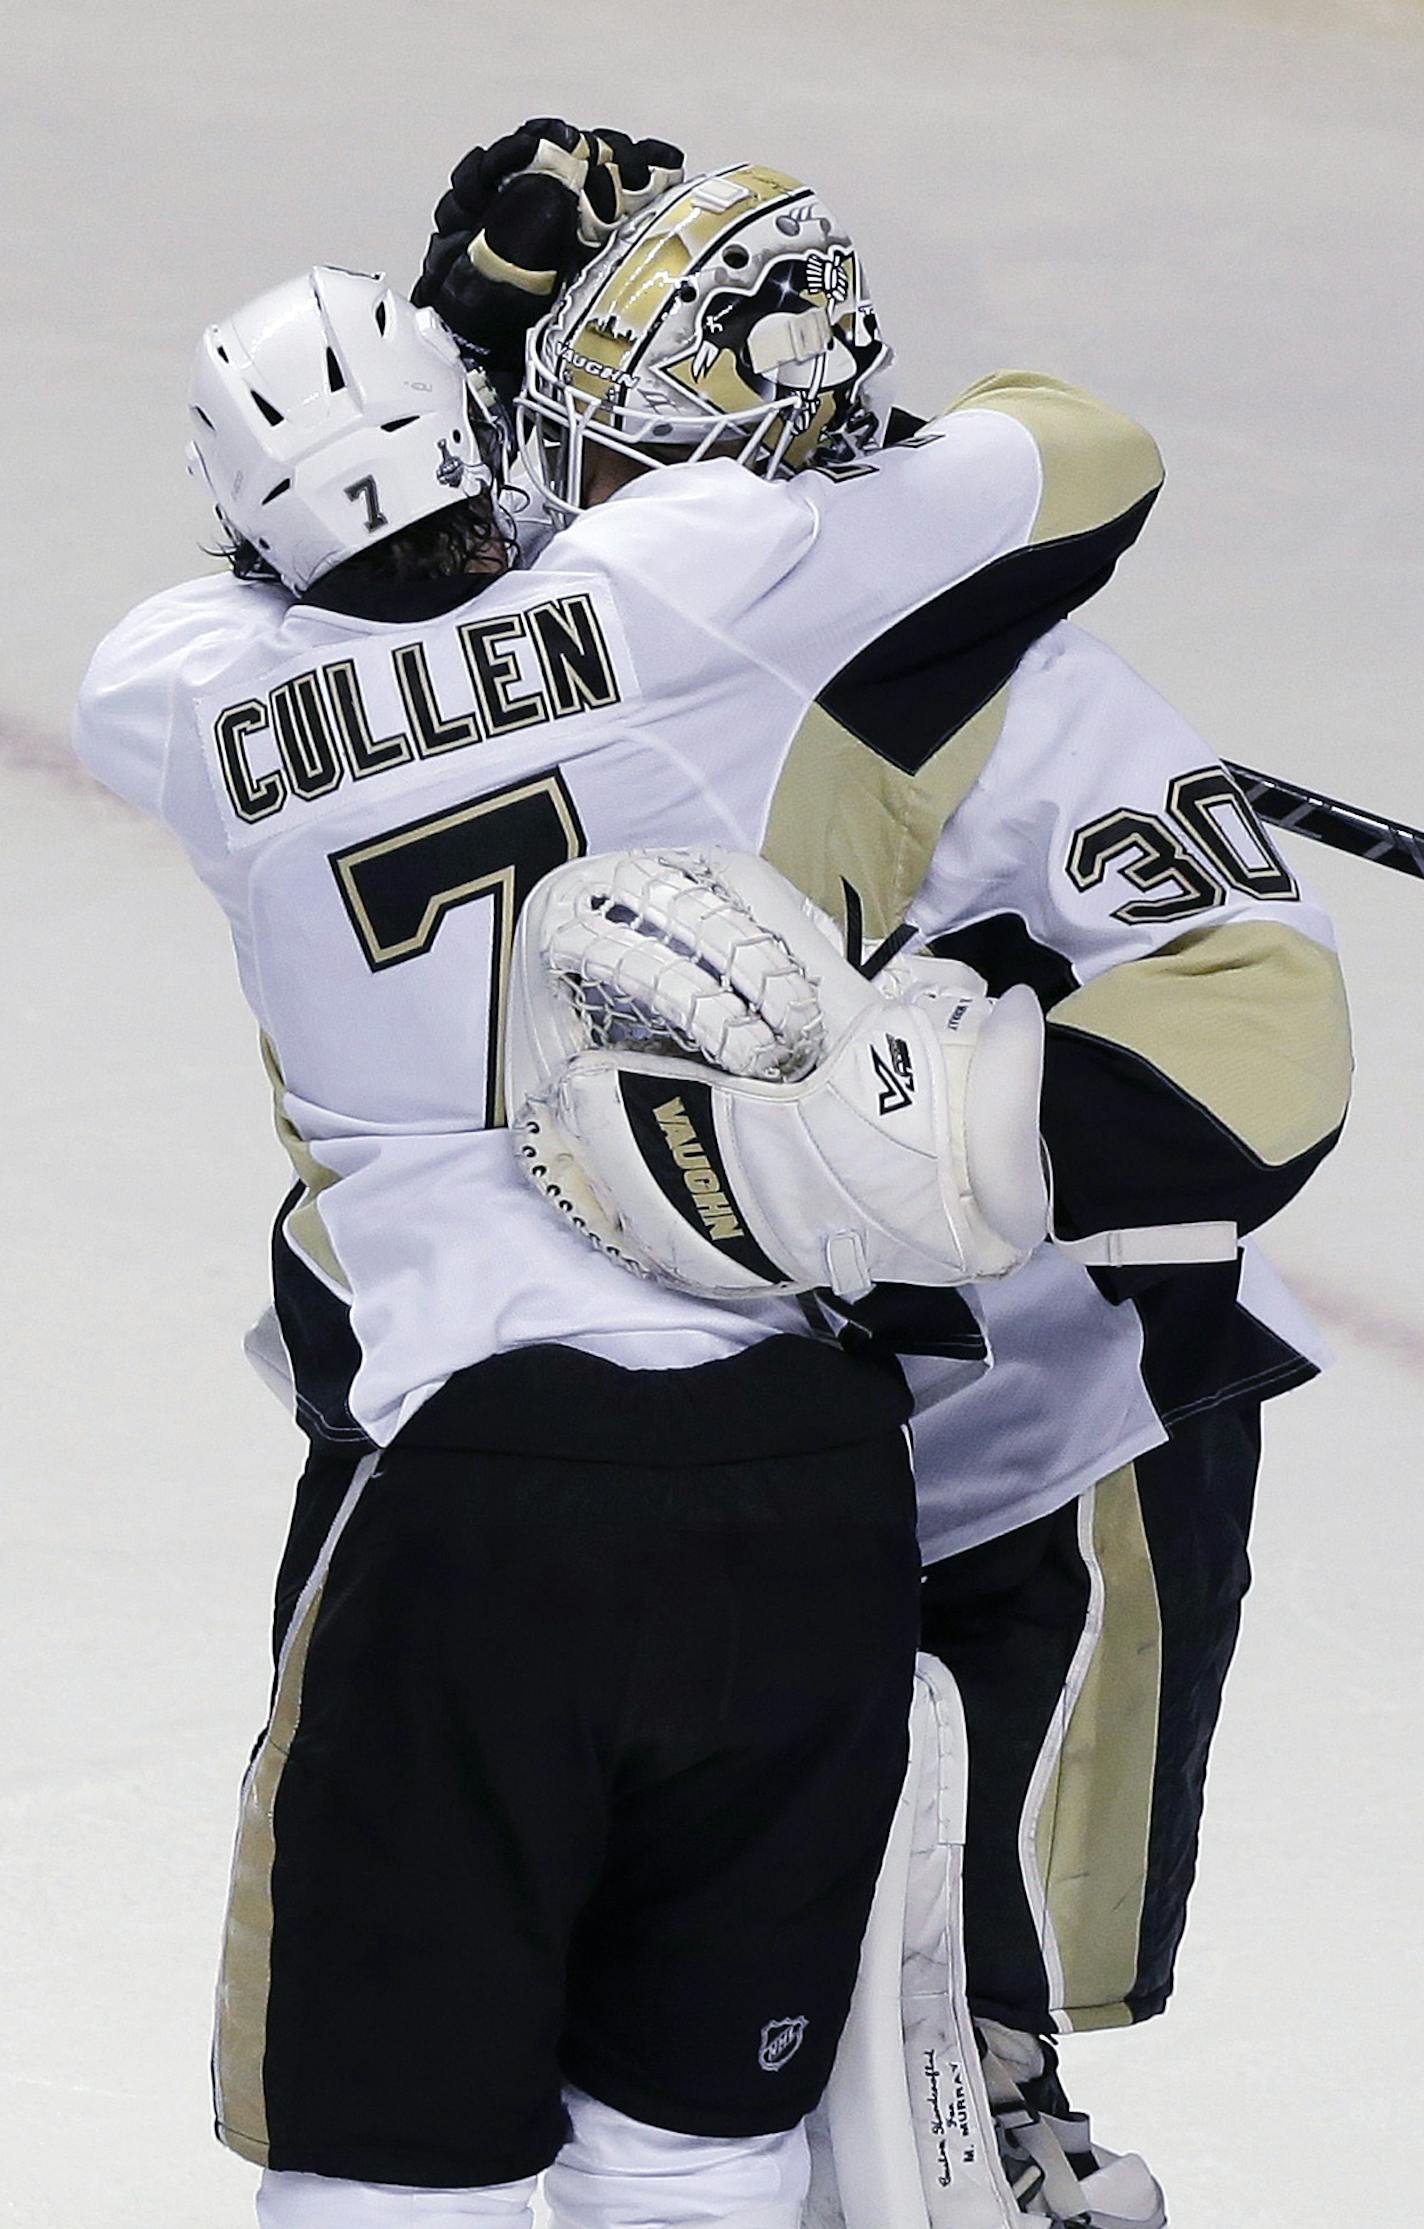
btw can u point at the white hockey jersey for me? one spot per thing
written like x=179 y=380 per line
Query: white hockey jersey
x=1197 y=1065
x=370 y=801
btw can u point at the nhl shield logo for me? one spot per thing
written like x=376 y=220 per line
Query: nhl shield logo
x=780 y=2041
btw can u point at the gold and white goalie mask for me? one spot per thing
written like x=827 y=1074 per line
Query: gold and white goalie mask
x=715 y=1097
x=730 y=318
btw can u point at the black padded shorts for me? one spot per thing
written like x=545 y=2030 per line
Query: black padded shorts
x=577 y=1772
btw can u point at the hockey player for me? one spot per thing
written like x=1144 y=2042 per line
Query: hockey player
x=589 y=1713
x=1086 y=1567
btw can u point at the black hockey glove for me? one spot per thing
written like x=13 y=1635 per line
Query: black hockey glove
x=506 y=235
x=624 y=176
x=520 y=218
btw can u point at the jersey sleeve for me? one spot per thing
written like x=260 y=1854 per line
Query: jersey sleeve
x=123 y=719
x=914 y=575
x=1205 y=1081
x=935 y=562
x=1198 y=1046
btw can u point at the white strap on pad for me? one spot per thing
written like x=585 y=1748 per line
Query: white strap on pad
x=1150 y=1245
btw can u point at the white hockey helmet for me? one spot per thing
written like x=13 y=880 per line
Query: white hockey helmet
x=731 y=317
x=329 y=413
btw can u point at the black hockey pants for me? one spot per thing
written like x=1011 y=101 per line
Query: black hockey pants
x=1090 y=1648
x=577 y=1771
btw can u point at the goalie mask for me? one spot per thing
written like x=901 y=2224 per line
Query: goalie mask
x=711 y=1094
x=329 y=413
x=730 y=318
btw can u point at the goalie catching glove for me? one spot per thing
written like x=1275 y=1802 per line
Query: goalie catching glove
x=709 y=1091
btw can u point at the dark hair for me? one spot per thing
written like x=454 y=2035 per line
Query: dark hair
x=441 y=546
x=245 y=560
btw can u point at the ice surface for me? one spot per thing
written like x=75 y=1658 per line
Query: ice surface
x=1212 y=212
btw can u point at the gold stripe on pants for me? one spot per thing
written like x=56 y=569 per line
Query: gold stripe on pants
x=1091 y=1833
x=245 y=1974
x=244 y=1977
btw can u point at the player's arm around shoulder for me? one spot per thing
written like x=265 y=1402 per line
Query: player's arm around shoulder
x=1198 y=1060
x=1099 y=471
x=710 y=540
x=990 y=523
x=1220 y=1059
x=125 y=712
x=987 y=525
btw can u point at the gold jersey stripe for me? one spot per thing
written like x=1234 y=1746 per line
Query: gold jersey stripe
x=1248 y=1018
x=841 y=813
x=1097 y=464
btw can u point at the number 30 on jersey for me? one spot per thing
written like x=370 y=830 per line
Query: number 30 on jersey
x=1209 y=842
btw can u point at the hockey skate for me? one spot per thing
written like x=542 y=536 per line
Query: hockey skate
x=1055 y=2170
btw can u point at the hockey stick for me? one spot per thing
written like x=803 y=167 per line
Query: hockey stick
x=1305 y=812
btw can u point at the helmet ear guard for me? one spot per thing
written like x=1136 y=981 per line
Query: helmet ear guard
x=730 y=318
x=328 y=414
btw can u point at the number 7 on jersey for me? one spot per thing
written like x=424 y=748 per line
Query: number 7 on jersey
x=398 y=888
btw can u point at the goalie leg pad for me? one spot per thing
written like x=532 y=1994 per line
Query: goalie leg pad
x=905 y=2133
